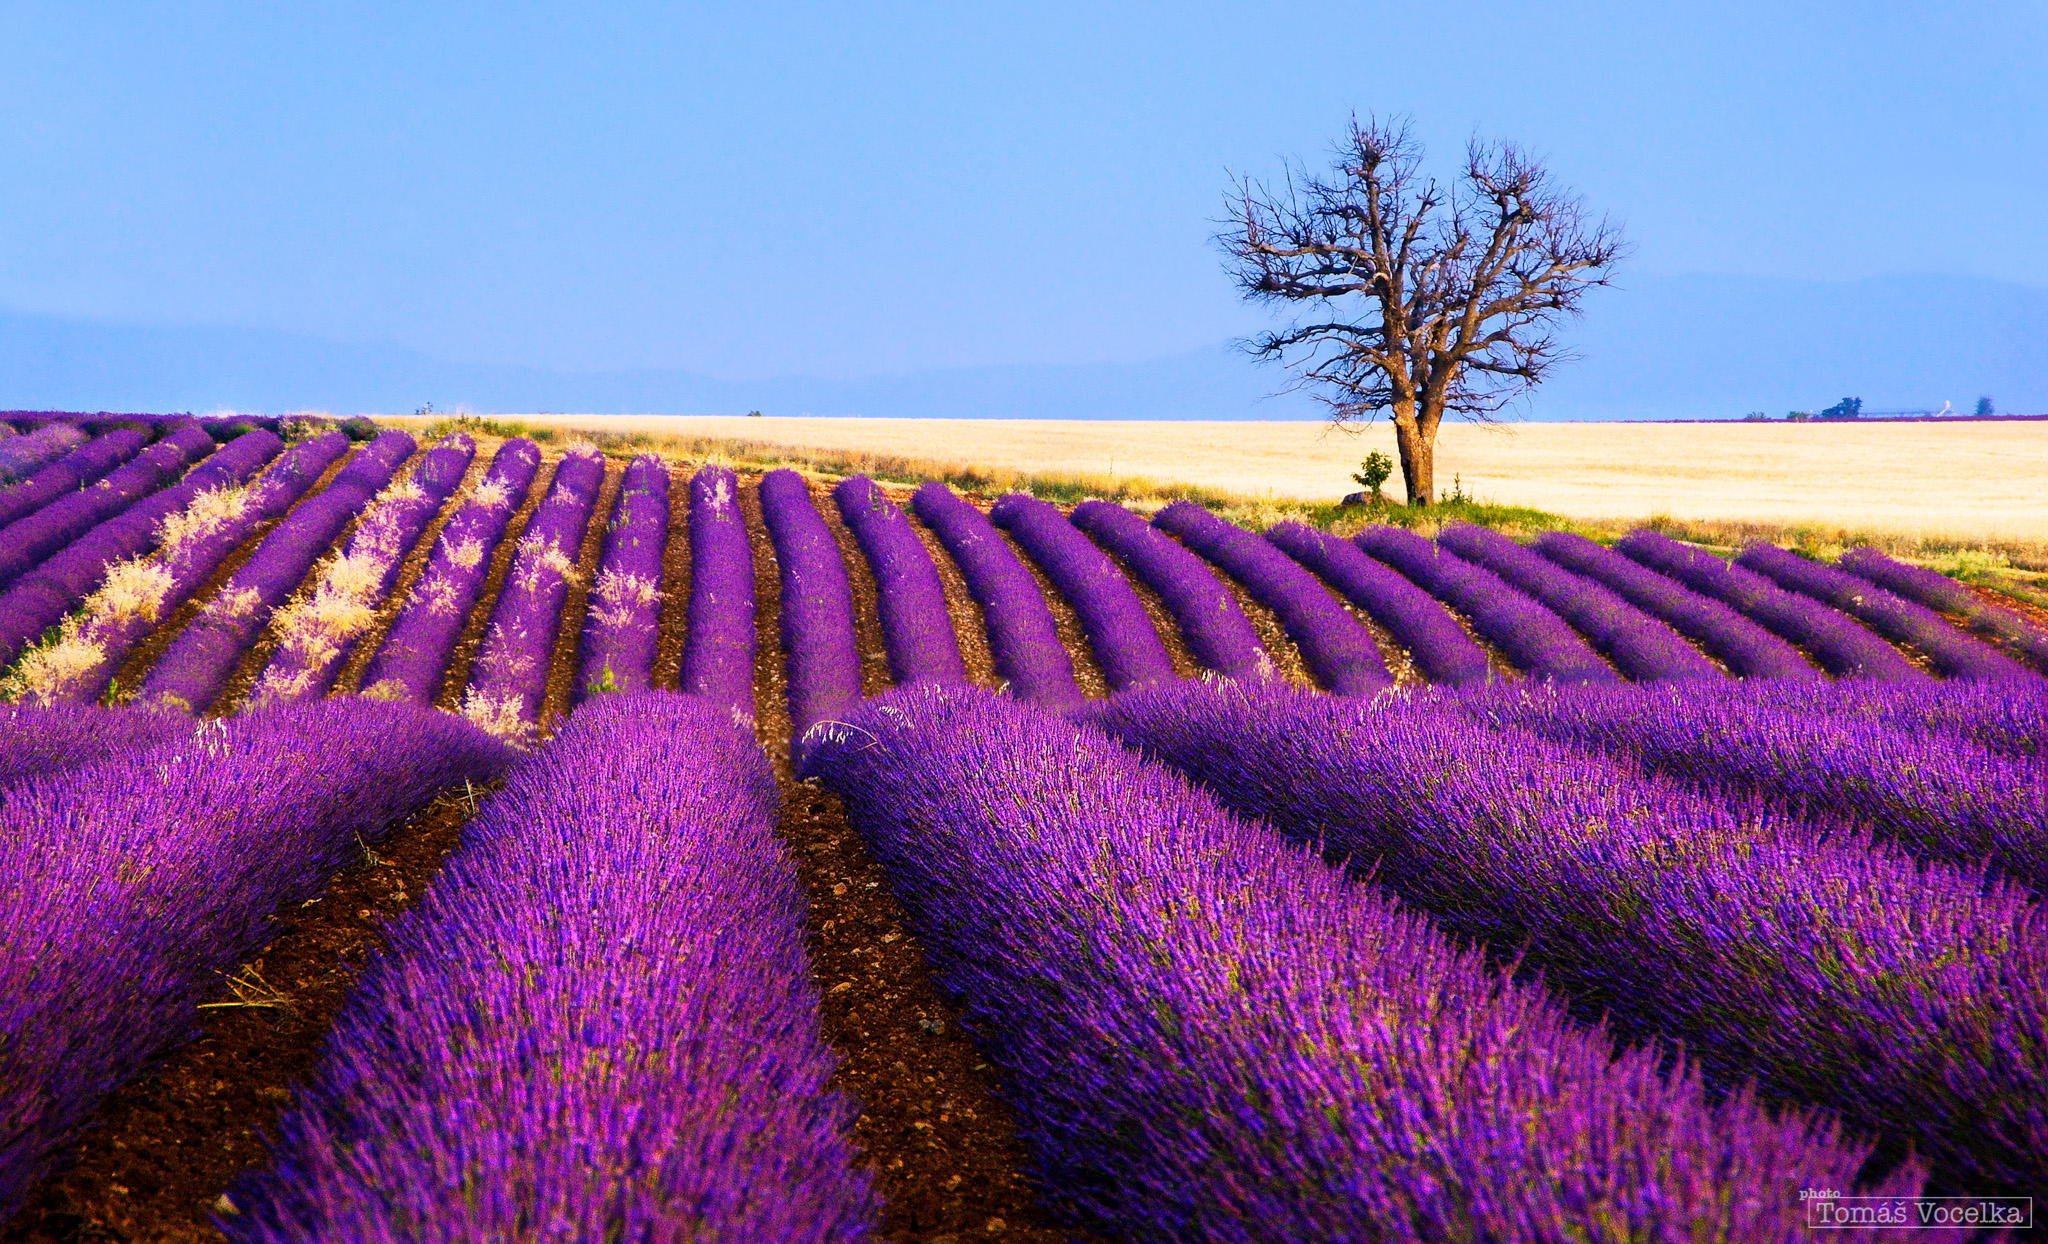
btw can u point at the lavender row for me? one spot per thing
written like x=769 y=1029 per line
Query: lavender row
x=718 y=646
x=509 y=682
x=127 y=889
x=1743 y=646
x=1527 y=633
x=317 y=631
x=21 y=456
x=1335 y=646
x=623 y=623
x=1218 y=634
x=1440 y=648
x=1831 y=968
x=1843 y=647
x=195 y=669
x=412 y=662
x=38 y=740
x=2009 y=718
x=40 y=599
x=917 y=628
x=1939 y=797
x=1127 y=646
x=1938 y=591
x=1948 y=649
x=1207 y=1035
x=75 y=470
x=1023 y=638
x=819 y=647
x=30 y=539
x=1641 y=647
x=139 y=595
x=552 y=1045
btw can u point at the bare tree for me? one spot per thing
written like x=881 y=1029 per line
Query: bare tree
x=1420 y=298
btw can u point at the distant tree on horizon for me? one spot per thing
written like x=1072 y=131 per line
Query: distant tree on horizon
x=1984 y=407
x=1418 y=298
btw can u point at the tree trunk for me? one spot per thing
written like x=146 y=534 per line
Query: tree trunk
x=1418 y=459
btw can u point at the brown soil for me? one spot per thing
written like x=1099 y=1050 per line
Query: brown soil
x=941 y=1143
x=562 y=690
x=875 y=676
x=145 y=655
x=257 y=658
x=970 y=622
x=456 y=680
x=675 y=583
x=350 y=678
x=162 y=1149
x=1280 y=650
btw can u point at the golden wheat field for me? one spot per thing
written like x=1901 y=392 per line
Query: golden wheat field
x=1967 y=480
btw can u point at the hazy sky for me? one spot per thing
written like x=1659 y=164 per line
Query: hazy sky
x=748 y=190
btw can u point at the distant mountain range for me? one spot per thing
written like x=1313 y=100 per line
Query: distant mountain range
x=1662 y=348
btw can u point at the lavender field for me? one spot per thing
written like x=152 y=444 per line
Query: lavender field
x=457 y=839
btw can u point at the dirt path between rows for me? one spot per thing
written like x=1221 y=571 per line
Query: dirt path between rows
x=455 y=679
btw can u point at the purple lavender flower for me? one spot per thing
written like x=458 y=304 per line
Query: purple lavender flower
x=1119 y=629
x=1440 y=647
x=1218 y=634
x=1743 y=646
x=37 y=741
x=1834 y=969
x=1207 y=1035
x=598 y=1021
x=413 y=661
x=69 y=473
x=818 y=644
x=1334 y=645
x=22 y=456
x=1938 y=591
x=195 y=669
x=28 y=540
x=1951 y=651
x=917 y=629
x=1843 y=647
x=129 y=888
x=624 y=618
x=1640 y=646
x=1528 y=633
x=718 y=648
x=1023 y=638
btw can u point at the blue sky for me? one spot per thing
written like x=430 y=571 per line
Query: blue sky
x=757 y=190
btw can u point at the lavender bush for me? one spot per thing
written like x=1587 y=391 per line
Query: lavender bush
x=195 y=669
x=37 y=741
x=917 y=629
x=1640 y=646
x=557 y=1043
x=1938 y=591
x=128 y=888
x=1526 y=632
x=624 y=619
x=30 y=539
x=40 y=599
x=1743 y=646
x=1119 y=628
x=1939 y=796
x=1842 y=647
x=71 y=472
x=1441 y=649
x=819 y=648
x=1218 y=634
x=318 y=630
x=1833 y=969
x=1335 y=646
x=137 y=596
x=1949 y=649
x=1023 y=638
x=22 y=456
x=718 y=646
x=509 y=681
x=412 y=662
x=1206 y=1035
